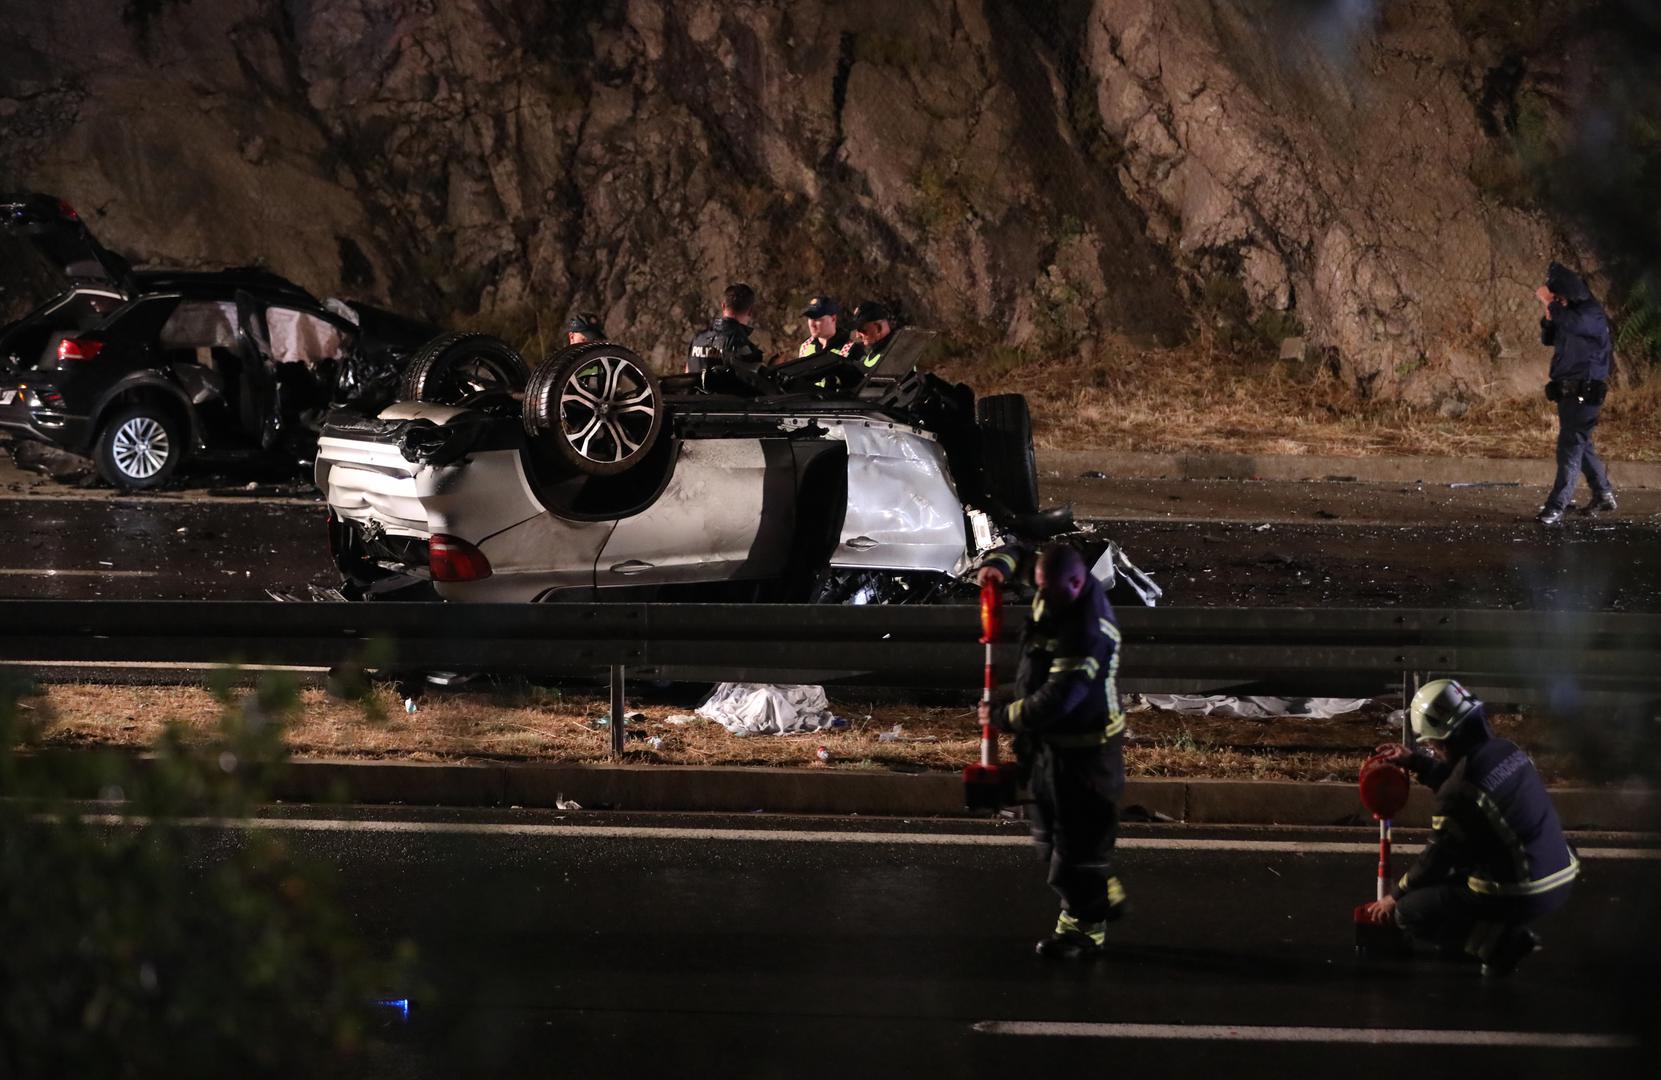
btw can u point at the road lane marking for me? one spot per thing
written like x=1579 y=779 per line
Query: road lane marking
x=1568 y=1040
x=799 y=836
x=16 y=571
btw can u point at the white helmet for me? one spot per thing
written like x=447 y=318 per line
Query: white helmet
x=1439 y=707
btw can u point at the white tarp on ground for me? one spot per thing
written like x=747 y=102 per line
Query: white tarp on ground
x=1255 y=708
x=768 y=709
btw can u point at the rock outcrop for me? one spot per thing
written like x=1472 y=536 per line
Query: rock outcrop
x=1040 y=176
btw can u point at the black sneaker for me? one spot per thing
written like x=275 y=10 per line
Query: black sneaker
x=1603 y=504
x=1512 y=950
x=1548 y=516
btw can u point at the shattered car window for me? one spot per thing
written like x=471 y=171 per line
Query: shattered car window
x=200 y=325
x=301 y=338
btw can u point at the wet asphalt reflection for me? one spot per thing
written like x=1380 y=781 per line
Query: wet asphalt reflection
x=235 y=549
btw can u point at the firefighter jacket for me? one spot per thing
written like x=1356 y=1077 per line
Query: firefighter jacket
x=1494 y=828
x=1066 y=686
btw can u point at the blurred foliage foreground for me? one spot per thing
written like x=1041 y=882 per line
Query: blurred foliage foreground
x=152 y=946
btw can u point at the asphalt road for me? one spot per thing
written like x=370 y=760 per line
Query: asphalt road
x=1222 y=543
x=592 y=945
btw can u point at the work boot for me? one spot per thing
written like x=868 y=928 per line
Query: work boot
x=1073 y=940
x=1603 y=504
x=1512 y=950
x=1549 y=516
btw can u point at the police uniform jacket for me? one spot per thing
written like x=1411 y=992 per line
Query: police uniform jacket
x=726 y=342
x=1494 y=828
x=1066 y=686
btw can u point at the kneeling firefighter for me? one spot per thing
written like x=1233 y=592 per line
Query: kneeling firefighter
x=1496 y=859
x=1069 y=731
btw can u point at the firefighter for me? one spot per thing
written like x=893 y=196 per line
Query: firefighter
x=583 y=328
x=1496 y=859
x=727 y=341
x=1069 y=731
x=822 y=334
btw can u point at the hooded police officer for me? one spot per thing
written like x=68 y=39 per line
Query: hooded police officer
x=1496 y=859
x=1577 y=328
x=1070 y=731
x=727 y=341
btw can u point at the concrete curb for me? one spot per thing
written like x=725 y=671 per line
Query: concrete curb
x=1126 y=465
x=825 y=791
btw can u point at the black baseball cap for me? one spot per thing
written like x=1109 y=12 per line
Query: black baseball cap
x=586 y=322
x=820 y=306
x=869 y=312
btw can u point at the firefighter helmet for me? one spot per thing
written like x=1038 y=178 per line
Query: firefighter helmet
x=1439 y=707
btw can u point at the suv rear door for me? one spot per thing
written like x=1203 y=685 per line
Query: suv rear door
x=55 y=230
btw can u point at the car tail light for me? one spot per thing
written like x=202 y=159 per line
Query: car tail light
x=66 y=211
x=455 y=560
x=79 y=349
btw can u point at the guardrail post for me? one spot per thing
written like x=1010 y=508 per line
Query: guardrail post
x=619 y=732
x=1409 y=686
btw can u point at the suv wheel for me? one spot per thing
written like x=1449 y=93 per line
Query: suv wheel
x=454 y=367
x=139 y=447
x=600 y=406
x=1008 y=465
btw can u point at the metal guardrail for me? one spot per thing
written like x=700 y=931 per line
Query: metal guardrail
x=1558 y=657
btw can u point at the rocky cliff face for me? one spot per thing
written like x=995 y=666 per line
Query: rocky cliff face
x=1042 y=176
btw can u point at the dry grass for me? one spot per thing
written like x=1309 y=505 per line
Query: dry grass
x=1196 y=398
x=554 y=726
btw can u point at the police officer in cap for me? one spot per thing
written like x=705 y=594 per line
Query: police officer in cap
x=1496 y=859
x=873 y=328
x=727 y=341
x=1070 y=731
x=823 y=336
x=583 y=328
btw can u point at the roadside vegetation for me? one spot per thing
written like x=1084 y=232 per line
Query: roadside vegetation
x=152 y=948
x=563 y=725
x=1208 y=397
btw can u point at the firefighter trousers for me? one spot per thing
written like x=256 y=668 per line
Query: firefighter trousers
x=1075 y=823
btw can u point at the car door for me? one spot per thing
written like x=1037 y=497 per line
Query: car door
x=727 y=514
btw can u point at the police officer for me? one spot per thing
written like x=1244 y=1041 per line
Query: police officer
x=1070 y=731
x=1575 y=325
x=873 y=328
x=583 y=328
x=823 y=336
x=1496 y=859
x=727 y=341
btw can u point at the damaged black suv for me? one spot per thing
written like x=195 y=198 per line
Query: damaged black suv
x=140 y=370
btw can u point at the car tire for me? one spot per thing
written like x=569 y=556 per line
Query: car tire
x=453 y=367
x=1008 y=465
x=598 y=405
x=140 y=447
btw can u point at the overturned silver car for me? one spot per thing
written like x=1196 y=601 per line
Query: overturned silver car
x=592 y=478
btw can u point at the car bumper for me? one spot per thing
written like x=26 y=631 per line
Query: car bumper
x=64 y=430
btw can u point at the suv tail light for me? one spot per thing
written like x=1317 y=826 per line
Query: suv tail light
x=451 y=559
x=79 y=349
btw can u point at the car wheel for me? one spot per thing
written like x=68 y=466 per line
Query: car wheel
x=451 y=368
x=598 y=404
x=140 y=447
x=1007 y=461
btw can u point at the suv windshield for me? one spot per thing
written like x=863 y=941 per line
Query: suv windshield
x=32 y=344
